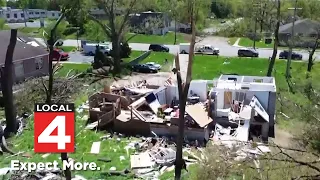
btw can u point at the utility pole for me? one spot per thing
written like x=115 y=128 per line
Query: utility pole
x=291 y=43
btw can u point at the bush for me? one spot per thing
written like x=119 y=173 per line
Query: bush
x=2 y=23
x=125 y=50
x=238 y=29
x=100 y=60
x=254 y=36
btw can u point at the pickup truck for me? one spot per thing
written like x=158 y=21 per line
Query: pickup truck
x=207 y=49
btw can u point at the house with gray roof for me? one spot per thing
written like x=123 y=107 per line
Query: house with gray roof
x=305 y=32
x=29 y=60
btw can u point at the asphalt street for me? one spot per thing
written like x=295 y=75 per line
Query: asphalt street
x=219 y=42
x=35 y=24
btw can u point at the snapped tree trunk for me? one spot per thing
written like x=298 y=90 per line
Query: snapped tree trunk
x=6 y=85
x=183 y=93
x=310 y=59
x=276 y=42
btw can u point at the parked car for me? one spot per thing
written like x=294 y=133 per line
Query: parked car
x=153 y=64
x=208 y=49
x=158 y=47
x=144 y=68
x=246 y=52
x=294 y=55
x=57 y=53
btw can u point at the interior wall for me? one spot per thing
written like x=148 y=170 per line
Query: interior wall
x=199 y=87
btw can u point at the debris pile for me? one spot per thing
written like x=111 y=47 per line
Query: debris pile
x=153 y=157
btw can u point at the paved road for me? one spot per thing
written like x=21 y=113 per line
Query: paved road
x=219 y=42
x=35 y=24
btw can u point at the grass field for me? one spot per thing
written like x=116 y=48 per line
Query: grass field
x=76 y=68
x=246 y=42
x=68 y=48
x=133 y=55
x=232 y=40
x=159 y=58
x=208 y=67
x=158 y=39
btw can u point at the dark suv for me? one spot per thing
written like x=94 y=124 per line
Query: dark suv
x=158 y=47
x=247 y=53
x=294 y=55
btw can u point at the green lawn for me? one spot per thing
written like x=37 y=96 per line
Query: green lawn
x=158 y=39
x=68 y=48
x=232 y=40
x=133 y=55
x=76 y=68
x=159 y=58
x=246 y=42
x=209 y=67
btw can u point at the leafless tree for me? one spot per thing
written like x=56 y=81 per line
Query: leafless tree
x=276 y=41
x=6 y=85
x=183 y=89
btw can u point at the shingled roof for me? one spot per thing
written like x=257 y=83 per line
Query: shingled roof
x=22 y=50
x=304 y=26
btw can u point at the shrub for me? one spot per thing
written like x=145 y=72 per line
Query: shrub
x=100 y=60
x=2 y=23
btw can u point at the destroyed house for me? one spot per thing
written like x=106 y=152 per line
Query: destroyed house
x=153 y=110
x=249 y=99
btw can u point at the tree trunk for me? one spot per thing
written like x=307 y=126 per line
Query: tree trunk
x=276 y=42
x=6 y=84
x=116 y=56
x=314 y=48
x=310 y=60
x=175 y=31
x=67 y=172
x=51 y=44
x=183 y=93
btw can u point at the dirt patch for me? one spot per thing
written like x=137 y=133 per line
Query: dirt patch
x=283 y=138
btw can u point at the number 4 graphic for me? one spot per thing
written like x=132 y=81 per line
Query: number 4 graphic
x=61 y=139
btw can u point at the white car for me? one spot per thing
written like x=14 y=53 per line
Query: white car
x=153 y=64
x=208 y=49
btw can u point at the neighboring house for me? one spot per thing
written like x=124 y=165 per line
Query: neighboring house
x=29 y=61
x=20 y=15
x=257 y=97
x=100 y=14
x=305 y=31
x=150 y=22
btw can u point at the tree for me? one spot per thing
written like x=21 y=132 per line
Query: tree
x=183 y=88
x=314 y=47
x=6 y=86
x=276 y=41
x=52 y=69
x=118 y=14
